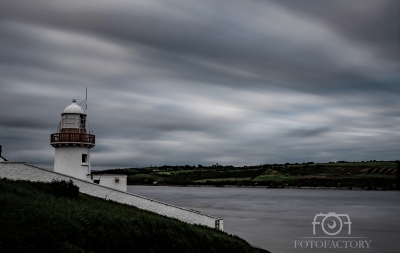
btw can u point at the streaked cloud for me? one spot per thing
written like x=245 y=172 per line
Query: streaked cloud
x=203 y=82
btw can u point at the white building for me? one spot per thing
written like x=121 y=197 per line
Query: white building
x=72 y=149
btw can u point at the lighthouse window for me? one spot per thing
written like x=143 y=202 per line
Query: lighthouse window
x=84 y=158
x=83 y=121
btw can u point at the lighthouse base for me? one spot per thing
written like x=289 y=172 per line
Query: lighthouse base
x=72 y=161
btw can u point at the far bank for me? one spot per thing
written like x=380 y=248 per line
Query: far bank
x=370 y=175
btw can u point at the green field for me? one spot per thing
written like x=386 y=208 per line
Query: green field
x=276 y=178
x=167 y=173
x=363 y=164
x=34 y=217
x=222 y=179
x=370 y=175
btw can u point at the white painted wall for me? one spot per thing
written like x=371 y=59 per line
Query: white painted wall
x=23 y=171
x=68 y=161
x=118 y=182
x=71 y=120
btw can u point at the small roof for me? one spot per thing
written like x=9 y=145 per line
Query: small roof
x=74 y=109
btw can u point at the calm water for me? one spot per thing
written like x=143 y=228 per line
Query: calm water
x=275 y=218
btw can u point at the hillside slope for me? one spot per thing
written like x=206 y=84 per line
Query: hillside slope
x=34 y=217
x=368 y=175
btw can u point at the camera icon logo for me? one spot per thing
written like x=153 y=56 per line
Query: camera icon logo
x=331 y=223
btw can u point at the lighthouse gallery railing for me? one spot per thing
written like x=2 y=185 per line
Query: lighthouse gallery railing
x=72 y=137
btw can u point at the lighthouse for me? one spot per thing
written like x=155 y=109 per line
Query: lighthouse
x=72 y=143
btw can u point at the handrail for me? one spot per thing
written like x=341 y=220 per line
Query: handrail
x=72 y=137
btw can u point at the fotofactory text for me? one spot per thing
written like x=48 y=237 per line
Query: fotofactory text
x=332 y=231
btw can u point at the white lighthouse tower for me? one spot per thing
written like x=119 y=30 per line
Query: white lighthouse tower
x=72 y=143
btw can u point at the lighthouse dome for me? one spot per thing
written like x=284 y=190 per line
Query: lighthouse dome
x=74 y=109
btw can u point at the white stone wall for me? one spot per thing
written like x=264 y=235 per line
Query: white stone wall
x=70 y=121
x=68 y=161
x=24 y=171
x=114 y=181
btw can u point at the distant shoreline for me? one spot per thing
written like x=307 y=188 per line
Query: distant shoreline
x=272 y=187
x=378 y=176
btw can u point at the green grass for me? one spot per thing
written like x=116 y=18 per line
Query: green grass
x=144 y=176
x=223 y=179
x=368 y=174
x=275 y=177
x=371 y=176
x=173 y=172
x=363 y=164
x=33 y=219
x=167 y=173
x=162 y=173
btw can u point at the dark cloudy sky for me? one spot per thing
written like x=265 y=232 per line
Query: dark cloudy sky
x=180 y=82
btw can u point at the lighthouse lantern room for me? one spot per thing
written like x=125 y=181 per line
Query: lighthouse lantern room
x=72 y=143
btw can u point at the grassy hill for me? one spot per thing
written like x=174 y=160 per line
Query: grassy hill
x=46 y=217
x=369 y=175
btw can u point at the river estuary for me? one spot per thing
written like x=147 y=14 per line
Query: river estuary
x=281 y=220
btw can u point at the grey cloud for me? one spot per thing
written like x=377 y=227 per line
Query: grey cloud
x=186 y=82
x=222 y=39
x=308 y=132
x=366 y=21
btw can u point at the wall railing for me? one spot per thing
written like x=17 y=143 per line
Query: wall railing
x=72 y=137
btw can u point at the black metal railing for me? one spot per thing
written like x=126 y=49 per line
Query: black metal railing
x=72 y=137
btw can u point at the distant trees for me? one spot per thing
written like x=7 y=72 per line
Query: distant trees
x=377 y=175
